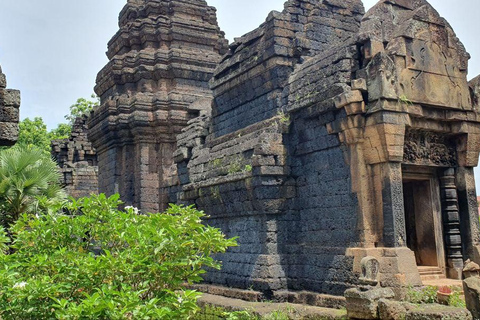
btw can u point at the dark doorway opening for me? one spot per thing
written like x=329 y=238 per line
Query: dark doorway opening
x=420 y=224
x=423 y=220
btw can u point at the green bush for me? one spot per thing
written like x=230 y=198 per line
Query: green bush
x=426 y=294
x=456 y=299
x=103 y=263
x=209 y=312
x=29 y=182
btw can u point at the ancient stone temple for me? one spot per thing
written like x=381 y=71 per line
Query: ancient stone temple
x=77 y=161
x=9 y=112
x=334 y=135
x=161 y=60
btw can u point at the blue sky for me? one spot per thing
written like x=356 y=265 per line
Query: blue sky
x=52 y=50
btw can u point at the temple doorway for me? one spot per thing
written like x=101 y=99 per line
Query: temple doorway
x=423 y=219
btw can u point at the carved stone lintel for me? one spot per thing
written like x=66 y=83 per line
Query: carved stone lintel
x=429 y=148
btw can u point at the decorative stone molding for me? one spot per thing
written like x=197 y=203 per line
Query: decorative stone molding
x=429 y=148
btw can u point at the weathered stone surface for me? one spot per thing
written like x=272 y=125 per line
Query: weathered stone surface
x=438 y=312
x=235 y=165
x=393 y=310
x=9 y=112
x=77 y=160
x=363 y=304
x=418 y=56
x=397 y=310
x=370 y=269
x=161 y=60
x=249 y=84
x=471 y=287
x=268 y=309
x=316 y=122
x=474 y=85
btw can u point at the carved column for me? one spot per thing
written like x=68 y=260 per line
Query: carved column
x=394 y=233
x=451 y=224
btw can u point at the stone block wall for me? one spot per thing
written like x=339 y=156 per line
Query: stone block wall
x=249 y=83
x=9 y=112
x=329 y=189
x=264 y=166
x=77 y=160
x=323 y=211
x=241 y=181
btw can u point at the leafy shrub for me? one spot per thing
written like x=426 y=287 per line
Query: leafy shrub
x=210 y=312
x=456 y=299
x=29 y=182
x=104 y=263
x=426 y=294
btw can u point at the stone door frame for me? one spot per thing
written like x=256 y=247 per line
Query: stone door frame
x=430 y=174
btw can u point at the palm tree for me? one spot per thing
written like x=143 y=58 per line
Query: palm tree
x=26 y=175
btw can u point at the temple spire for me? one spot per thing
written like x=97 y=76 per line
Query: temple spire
x=161 y=60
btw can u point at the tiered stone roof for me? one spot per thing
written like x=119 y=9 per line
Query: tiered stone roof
x=161 y=60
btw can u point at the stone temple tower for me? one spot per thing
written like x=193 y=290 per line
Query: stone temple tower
x=161 y=60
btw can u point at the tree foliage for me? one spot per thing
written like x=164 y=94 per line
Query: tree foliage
x=34 y=133
x=62 y=131
x=29 y=180
x=100 y=262
x=81 y=107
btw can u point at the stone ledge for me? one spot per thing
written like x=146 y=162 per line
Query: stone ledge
x=310 y=298
x=284 y=296
x=265 y=308
x=233 y=293
x=436 y=311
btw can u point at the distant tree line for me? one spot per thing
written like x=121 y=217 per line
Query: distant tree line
x=34 y=133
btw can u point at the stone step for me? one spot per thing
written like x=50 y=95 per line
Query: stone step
x=427 y=269
x=429 y=277
x=430 y=273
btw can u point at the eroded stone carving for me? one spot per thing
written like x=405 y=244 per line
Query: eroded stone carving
x=370 y=268
x=429 y=148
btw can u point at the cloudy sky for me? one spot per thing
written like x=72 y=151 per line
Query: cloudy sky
x=52 y=49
